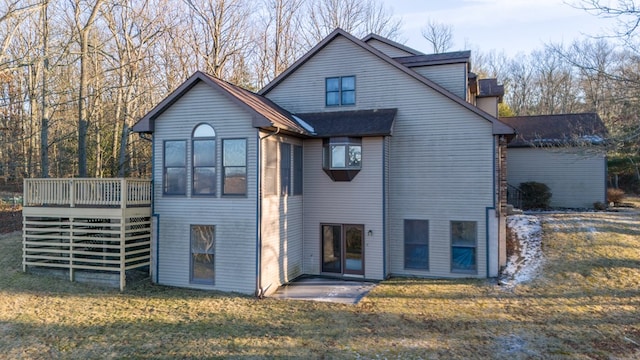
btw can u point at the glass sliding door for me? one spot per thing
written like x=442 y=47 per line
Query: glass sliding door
x=354 y=249
x=343 y=249
x=331 y=248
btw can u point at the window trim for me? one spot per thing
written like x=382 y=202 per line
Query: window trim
x=246 y=169
x=405 y=243
x=165 y=167
x=193 y=280
x=193 y=162
x=340 y=91
x=466 y=246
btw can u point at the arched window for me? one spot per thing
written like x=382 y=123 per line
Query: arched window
x=204 y=160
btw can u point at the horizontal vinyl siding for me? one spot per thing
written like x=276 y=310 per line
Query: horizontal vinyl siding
x=441 y=154
x=344 y=202
x=439 y=174
x=452 y=77
x=387 y=49
x=281 y=229
x=576 y=178
x=234 y=218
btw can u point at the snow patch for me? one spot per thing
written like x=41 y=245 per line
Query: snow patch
x=526 y=261
x=304 y=124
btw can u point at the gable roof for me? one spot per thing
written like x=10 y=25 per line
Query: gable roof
x=265 y=112
x=498 y=127
x=377 y=122
x=391 y=43
x=563 y=129
x=455 y=57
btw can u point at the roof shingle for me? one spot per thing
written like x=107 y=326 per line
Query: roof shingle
x=562 y=129
x=377 y=122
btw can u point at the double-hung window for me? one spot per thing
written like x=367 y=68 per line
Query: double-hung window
x=234 y=166
x=464 y=240
x=175 y=167
x=340 y=90
x=204 y=160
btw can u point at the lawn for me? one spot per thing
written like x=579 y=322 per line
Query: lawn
x=585 y=305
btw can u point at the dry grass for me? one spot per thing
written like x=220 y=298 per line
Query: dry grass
x=585 y=306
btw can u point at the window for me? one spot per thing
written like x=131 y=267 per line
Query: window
x=297 y=170
x=285 y=169
x=202 y=254
x=464 y=237
x=342 y=157
x=416 y=244
x=271 y=168
x=340 y=90
x=204 y=160
x=175 y=167
x=234 y=167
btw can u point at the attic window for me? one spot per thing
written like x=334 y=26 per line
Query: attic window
x=342 y=157
x=340 y=90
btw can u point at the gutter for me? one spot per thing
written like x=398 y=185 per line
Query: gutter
x=259 y=289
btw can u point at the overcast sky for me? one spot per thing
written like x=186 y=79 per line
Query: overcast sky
x=510 y=25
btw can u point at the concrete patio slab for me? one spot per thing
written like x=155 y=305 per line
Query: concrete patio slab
x=325 y=289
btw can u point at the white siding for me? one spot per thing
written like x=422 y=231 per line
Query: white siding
x=344 y=202
x=387 y=49
x=441 y=154
x=576 y=176
x=234 y=218
x=281 y=229
x=452 y=77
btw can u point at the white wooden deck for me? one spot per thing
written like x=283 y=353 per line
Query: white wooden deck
x=87 y=224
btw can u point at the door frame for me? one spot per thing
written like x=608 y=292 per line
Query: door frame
x=343 y=252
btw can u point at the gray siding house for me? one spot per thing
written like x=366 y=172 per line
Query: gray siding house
x=365 y=159
x=565 y=151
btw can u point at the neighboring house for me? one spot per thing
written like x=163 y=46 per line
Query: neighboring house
x=364 y=159
x=566 y=152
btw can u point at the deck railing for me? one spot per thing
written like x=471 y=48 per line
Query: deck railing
x=514 y=196
x=87 y=192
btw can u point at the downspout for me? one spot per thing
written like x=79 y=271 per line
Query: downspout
x=384 y=207
x=496 y=201
x=259 y=290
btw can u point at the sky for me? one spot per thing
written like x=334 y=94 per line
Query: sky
x=512 y=26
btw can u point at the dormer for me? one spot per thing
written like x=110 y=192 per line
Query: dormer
x=489 y=95
x=449 y=70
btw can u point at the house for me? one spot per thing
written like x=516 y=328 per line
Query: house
x=563 y=151
x=364 y=159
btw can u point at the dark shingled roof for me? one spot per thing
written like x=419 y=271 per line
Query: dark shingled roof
x=434 y=59
x=265 y=112
x=564 y=129
x=490 y=87
x=391 y=43
x=377 y=122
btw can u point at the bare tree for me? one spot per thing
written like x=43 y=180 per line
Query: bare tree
x=439 y=35
x=358 y=17
x=279 y=41
x=83 y=28
x=219 y=32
